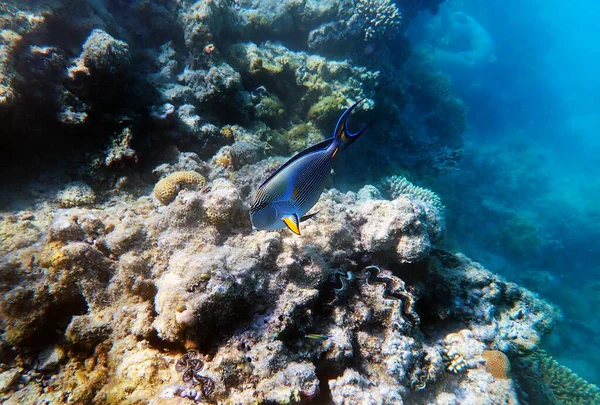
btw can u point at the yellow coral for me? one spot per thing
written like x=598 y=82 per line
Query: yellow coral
x=166 y=190
x=497 y=364
x=224 y=158
x=52 y=256
x=227 y=132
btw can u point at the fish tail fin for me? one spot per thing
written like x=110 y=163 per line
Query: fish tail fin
x=341 y=134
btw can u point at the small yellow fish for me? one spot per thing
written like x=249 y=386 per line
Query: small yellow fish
x=316 y=336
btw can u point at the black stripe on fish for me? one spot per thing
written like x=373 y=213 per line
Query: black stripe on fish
x=321 y=145
x=316 y=178
x=265 y=195
x=315 y=182
x=312 y=179
x=309 y=216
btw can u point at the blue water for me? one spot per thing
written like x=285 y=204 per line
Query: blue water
x=526 y=200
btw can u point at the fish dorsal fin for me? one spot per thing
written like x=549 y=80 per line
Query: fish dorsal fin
x=293 y=223
x=341 y=129
x=321 y=145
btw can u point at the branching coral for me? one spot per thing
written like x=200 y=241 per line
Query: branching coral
x=380 y=18
x=166 y=190
x=398 y=185
x=567 y=387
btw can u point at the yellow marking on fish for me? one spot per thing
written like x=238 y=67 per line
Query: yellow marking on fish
x=344 y=137
x=316 y=336
x=292 y=225
x=295 y=192
x=334 y=152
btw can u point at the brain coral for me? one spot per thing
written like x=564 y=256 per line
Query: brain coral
x=166 y=189
x=497 y=364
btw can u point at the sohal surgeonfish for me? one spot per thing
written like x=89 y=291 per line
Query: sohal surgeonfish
x=291 y=191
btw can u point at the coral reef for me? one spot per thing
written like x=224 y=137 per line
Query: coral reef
x=253 y=76
x=270 y=317
x=112 y=293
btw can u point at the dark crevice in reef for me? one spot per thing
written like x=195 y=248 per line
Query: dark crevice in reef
x=215 y=328
x=326 y=371
x=433 y=298
x=156 y=342
x=56 y=321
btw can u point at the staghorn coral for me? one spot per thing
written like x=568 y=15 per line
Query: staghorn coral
x=497 y=364
x=167 y=189
x=564 y=385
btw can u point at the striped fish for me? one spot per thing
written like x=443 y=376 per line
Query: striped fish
x=292 y=190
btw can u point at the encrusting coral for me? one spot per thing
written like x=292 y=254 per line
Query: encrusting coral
x=166 y=189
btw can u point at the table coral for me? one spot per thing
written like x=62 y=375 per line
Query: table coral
x=167 y=189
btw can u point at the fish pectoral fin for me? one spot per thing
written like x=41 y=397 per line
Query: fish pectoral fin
x=309 y=216
x=293 y=223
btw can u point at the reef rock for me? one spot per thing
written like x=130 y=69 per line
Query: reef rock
x=270 y=316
